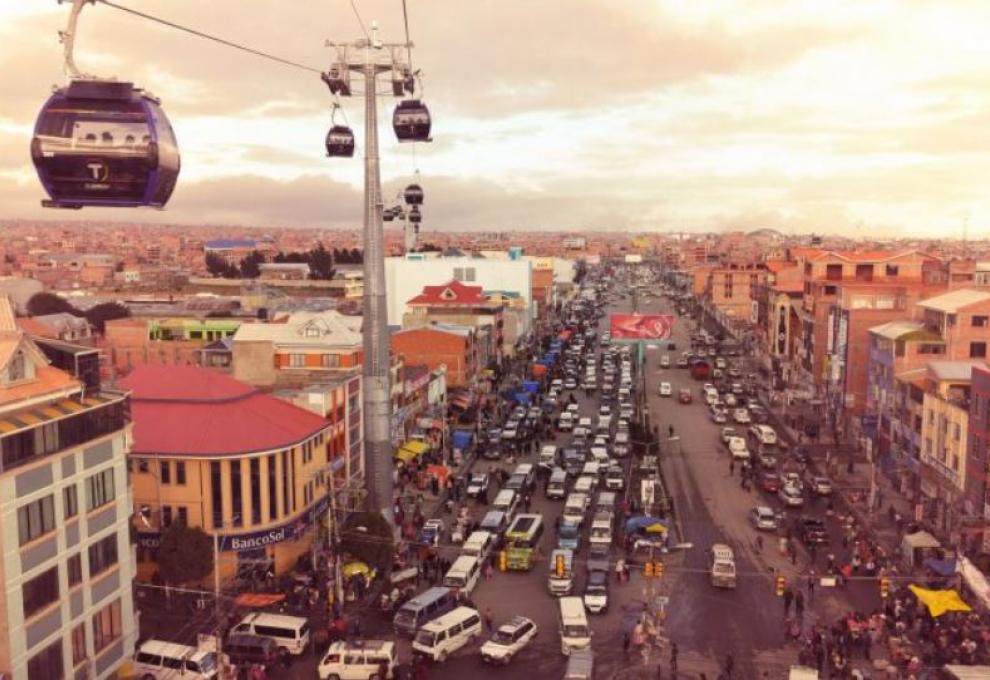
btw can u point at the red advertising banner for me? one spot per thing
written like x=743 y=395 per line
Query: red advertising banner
x=641 y=326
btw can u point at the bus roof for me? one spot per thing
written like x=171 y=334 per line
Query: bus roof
x=524 y=524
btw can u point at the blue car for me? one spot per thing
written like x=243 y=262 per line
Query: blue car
x=569 y=536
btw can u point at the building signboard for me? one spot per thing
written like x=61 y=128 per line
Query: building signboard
x=641 y=326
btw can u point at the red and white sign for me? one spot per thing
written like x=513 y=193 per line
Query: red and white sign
x=641 y=326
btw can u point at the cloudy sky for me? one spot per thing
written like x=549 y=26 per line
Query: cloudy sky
x=870 y=116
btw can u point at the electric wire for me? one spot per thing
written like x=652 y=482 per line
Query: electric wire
x=405 y=20
x=364 y=29
x=207 y=36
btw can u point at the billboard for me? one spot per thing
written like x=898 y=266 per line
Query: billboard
x=641 y=326
x=633 y=259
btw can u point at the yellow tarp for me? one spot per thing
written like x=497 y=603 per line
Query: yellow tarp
x=411 y=449
x=940 y=601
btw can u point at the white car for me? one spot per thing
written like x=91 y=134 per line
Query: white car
x=665 y=389
x=737 y=448
x=508 y=640
x=790 y=496
x=741 y=416
x=729 y=399
x=763 y=518
x=718 y=416
x=605 y=411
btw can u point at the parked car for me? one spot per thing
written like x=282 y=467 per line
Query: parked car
x=790 y=496
x=822 y=486
x=510 y=638
x=770 y=482
x=737 y=448
x=477 y=485
x=741 y=416
x=666 y=390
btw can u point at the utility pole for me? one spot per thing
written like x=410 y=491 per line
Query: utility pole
x=371 y=57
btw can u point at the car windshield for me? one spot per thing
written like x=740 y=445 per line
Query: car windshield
x=204 y=666
x=568 y=531
x=502 y=637
x=575 y=631
x=425 y=638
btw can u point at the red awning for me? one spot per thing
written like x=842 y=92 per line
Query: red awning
x=256 y=600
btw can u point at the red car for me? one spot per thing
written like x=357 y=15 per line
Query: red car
x=684 y=396
x=770 y=482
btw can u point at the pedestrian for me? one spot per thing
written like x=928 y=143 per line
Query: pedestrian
x=626 y=640
x=799 y=604
x=673 y=659
x=732 y=466
x=811 y=586
x=788 y=598
x=489 y=619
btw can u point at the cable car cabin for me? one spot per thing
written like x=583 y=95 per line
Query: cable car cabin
x=388 y=215
x=340 y=141
x=414 y=215
x=104 y=143
x=414 y=194
x=411 y=121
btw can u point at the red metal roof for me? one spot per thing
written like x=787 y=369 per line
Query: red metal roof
x=190 y=411
x=458 y=294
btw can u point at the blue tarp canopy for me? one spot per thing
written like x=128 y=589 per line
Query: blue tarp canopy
x=522 y=397
x=531 y=385
x=941 y=567
x=461 y=439
x=647 y=525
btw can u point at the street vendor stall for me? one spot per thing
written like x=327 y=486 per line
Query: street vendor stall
x=411 y=450
x=917 y=547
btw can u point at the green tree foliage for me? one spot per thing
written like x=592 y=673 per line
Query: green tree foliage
x=320 y=263
x=41 y=304
x=107 y=311
x=368 y=537
x=251 y=265
x=185 y=554
x=216 y=265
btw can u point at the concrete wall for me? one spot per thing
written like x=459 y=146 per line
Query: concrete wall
x=254 y=362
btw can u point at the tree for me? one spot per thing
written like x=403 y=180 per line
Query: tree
x=230 y=271
x=107 y=311
x=320 y=263
x=251 y=265
x=216 y=265
x=185 y=554
x=357 y=257
x=368 y=537
x=49 y=303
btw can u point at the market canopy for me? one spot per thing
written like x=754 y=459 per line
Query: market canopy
x=647 y=524
x=258 y=600
x=411 y=449
x=940 y=601
x=461 y=439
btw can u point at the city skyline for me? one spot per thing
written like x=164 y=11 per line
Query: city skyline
x=857 y=121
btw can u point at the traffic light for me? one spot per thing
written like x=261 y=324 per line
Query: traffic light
x=503 y=560
x=648 y=570
x=781 y=586
x=658 y=568
x=559 y=565
x=884 y=588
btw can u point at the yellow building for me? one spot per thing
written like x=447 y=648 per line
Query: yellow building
x=218 y=454
x=945 y=422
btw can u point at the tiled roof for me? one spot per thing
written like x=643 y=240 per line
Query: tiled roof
x=325 y=329
x=451 y=293
x=188 y=410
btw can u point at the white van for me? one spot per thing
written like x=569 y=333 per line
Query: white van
x=358 y=660
x=575 y=507
x=290 y=633
x=601 y=531
x=479 y=544
x=586 y=482
x=439 y=638
x=723 y=567
x=463 y=574
x=557 y=486
x=160 y=660
x=529 y=471
x=573 y=624
x=506 y=501
x=548 y=457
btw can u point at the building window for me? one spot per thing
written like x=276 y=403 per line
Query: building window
x=180 y=472
x=74 y=567
x=182 y=515
x=46 y=439
x=103 y=555
x=16 y=368
x=977 y=350
x=100 y=489
x=272 y=490
x=166 y=515
x=70 y=499
x=165 y=472
x=830 y=290
x=256 y=490
x=142 y=465
x=106 y=626
x=297 y=360
x=79 y=644
x=47 y=664
x=236 y=501
x=980 y=321
x=216 y=494
x=330 y=360
x=36 y=519
x=40 y=592
x=285 y=483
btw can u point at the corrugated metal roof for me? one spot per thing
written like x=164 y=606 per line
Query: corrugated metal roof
x=892 y=330
x=953 y=370
x=950 y=302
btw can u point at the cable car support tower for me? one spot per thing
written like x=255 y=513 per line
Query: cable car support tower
x=370 y=57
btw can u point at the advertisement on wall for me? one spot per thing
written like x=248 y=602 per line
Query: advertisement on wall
x=641 y=326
